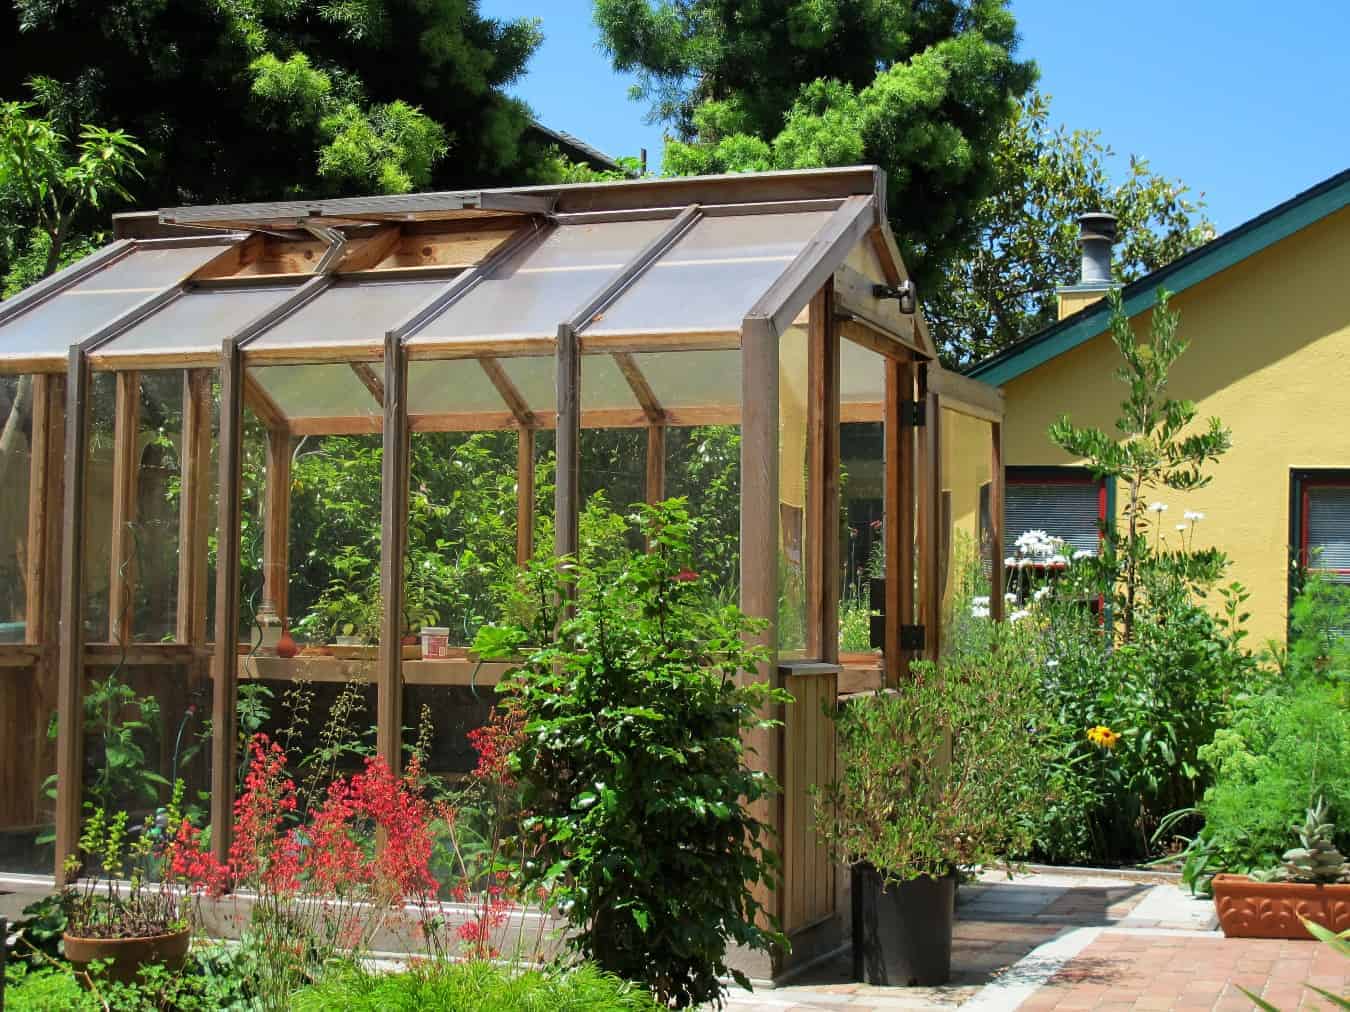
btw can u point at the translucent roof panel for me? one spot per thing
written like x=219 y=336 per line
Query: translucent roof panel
x=862 y=374
x=541 y=287
x=693 y=379
x=316 y=391
x=709 y=279
x=74 y=313
x=197 y=321
x=536 y=378
x=604 y=387
x=457 y=384
x=355 y=313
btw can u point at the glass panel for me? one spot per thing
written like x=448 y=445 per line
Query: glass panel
x=155 y=530
x=711 y=277
x=97 y=516
x=198 y=321
x=604 y=387
x=614 y=465
x=703 y=465
x=349 y=313
x=16 y=421
x=542 y=287
x=686 y=379
x=451 y=385
x=51 y=327
x=862 y=376
x=792 y=485
x=319 y=391
x=862 y=494
x=964 y=524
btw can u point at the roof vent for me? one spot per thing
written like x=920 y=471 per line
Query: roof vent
x=1096 y=236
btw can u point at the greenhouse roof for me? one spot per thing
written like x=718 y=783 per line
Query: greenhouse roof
x=643 y=267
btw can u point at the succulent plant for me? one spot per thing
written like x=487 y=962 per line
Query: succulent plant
x=1317 y=860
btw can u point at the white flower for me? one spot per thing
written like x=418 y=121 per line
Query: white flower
x=980 y=601
x=979 y=611
x=1083 y=553
x=1018 y=615
x=1011 y=560
x=1057 y=560
x=1041 y=594
x=1052 y=663
x=1182 y=528
x=1010 y=598
x=1193 y=516
x=1157 y=507
x=1024 y=563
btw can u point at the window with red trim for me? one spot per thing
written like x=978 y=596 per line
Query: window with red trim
x=1322 y=522
x=1065 y=502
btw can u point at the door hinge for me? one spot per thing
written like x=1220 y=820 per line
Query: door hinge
x=913 y=413
x=911 y=637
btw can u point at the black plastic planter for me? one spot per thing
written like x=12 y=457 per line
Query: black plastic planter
x=902 y=933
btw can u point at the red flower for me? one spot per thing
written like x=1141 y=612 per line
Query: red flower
x=686 y=576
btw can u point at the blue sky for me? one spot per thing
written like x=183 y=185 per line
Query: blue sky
x=1247 y=102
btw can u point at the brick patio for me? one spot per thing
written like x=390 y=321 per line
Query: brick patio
x=1074 y=942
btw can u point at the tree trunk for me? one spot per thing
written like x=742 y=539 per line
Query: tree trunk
x=12 y=436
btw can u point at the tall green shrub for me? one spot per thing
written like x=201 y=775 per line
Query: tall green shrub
x=633 y=768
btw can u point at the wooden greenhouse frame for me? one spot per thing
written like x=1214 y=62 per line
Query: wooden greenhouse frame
x=376 y=288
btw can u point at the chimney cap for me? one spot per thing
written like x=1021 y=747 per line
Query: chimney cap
x=1097 y=225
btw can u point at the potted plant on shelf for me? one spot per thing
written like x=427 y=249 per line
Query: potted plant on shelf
x=1313 y=883
x=128 y=922
x=935 y=776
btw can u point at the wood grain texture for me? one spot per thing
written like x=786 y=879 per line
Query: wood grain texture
x=525 y=497
x=654 y=485
x=370 y=379
x=637 y=383
x=277 y=523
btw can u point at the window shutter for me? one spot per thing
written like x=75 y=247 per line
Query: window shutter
x=1329 y=528
x=1071 y=511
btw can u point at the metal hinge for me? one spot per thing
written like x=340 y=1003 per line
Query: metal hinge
x=911 y=637
x=913 y=413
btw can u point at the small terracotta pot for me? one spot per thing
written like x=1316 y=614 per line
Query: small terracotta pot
x=1251 y=909
x=128 y=955
x=286 y=646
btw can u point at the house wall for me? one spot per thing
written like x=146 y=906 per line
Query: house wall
x=1270 y=356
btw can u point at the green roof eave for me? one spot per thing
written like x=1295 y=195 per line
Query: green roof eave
x=1247 y=239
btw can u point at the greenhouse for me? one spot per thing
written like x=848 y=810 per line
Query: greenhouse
x=217 y=403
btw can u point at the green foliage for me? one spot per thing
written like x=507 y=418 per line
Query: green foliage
x=257 y=99
x=921 y=89
x=633 y=767
x=473 y=987
x=28 y=258
x=1319 y=617
x=1282 y=749
x=941 y=773
x=1150 y=451
x=1000 y=287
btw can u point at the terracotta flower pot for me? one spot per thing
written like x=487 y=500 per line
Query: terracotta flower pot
x=128 y=955
x=1251 y=909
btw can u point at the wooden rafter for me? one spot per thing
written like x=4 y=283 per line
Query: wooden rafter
x=370 y=251
x=515 y=401
x=370 y=380
x=642 y=390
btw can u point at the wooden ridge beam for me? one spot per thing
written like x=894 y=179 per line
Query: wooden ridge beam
x=515 y=401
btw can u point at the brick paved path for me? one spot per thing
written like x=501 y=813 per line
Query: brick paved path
x=1071 y=942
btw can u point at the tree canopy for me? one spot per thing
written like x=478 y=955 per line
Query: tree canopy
x=921 y=88
x=1001 y=287
x=252 y=99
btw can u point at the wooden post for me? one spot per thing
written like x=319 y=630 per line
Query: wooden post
x=277 y=521
x=898 y=537
x=930 y=502
x=996 y=521
x=223 y=703
x=70 y=683
x=567 y=496
x=655 y=487
x=194 y=508
x=525 y=496
x=43 y=600
x=126 y=472
x=759 y=543
x=393 y=545
x=822 y=479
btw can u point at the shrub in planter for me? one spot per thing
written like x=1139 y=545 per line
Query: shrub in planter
x=632 y=765
x=936 y=775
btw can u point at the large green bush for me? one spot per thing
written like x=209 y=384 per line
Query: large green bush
x=473 y=987
x=633 y=769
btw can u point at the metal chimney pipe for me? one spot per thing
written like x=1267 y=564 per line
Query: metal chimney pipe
x=1096 y=236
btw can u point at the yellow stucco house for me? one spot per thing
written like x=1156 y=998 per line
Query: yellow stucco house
x=1266 y=309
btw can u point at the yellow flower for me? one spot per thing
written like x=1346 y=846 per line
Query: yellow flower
x=1103 y=736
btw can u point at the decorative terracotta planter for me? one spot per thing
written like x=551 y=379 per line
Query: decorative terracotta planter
x=1251 y=909
x=128 y=955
